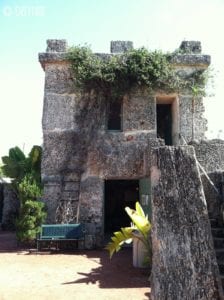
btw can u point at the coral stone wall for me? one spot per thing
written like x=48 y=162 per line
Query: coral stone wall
x=79 y=153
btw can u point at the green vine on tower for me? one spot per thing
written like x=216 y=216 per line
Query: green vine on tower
x=118 y=73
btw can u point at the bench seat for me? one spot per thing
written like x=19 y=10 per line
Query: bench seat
x=61 y=232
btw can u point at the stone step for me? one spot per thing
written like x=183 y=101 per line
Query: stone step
x=217 y=232
x=214 y=222
x=219 y=254
x=218 y=242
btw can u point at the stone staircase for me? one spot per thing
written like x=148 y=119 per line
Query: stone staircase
x=218 y=239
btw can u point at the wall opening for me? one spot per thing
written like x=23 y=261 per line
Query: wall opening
x=114 y=120
x=118 y=195
x=167 y=119
x=164 y=122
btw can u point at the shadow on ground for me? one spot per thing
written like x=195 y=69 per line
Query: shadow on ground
x=115 y=273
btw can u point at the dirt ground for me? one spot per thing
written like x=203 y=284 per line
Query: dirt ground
x=78 y=275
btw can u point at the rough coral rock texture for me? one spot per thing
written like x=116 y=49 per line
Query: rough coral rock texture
x=80 y=153
x=210 y=154
x=10 y=207
x=184 y=264
x=214 y=196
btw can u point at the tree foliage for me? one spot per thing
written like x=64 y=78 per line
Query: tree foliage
x=16 y=165
x=25 y=173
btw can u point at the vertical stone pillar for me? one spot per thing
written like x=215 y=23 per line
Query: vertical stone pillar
x=184 y=264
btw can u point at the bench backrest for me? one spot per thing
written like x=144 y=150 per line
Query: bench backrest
x=62 y=231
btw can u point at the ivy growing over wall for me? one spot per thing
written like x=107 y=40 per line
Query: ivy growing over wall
x=138 y=67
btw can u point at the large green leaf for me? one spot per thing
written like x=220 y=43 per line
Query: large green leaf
x=141 y=222
x=119 y=238
x=140 y=230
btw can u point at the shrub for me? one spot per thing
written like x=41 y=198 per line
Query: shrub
x=32 y=215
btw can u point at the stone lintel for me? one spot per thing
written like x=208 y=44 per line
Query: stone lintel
x=191 y=60
x=120 y=46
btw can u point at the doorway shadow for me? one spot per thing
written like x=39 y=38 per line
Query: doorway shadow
x=115 y=273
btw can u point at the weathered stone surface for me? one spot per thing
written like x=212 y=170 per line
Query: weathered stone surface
x=62 y=153
x=120 y=46
x=128 y=150
x=193 y=125
x=46 y=58
x=210 y=154
x=58 y=79
x=144 y=104
x=92 y=206
x=213 y=199
x=184 y=263
x=51 y=198
x=10 y=207
x=191 y=47
x=191 y=59
x=78 y=146
x=64 y=105
x=55 y=45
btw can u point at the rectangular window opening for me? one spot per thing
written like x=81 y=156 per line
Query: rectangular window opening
x=114 y=121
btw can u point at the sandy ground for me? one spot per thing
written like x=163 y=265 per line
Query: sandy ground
x=78 y=275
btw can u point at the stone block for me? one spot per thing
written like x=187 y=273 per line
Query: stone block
x=184 y=263
x=59 y=112
x=191 y=47
x=58 y=78
x=51 y=197
x=139 y=112
x=120 y=46
x=55 y=45
x=62 y=153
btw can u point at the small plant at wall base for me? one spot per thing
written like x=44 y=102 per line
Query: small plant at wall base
x=116 y=74
x=32 y=211
x=140 y=230
x=25 y=173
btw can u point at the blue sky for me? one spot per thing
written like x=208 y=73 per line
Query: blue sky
x=162 y=24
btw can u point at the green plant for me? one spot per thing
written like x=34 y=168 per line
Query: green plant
x=115 y=74
x=140 y=230
x=16 y=165
x=32 y=215
x=26 y=181
x=29 y=189
x=32 y=212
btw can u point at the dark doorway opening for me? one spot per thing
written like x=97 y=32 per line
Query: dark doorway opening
x=114 y=115
x=164 y=122
x=118 y=195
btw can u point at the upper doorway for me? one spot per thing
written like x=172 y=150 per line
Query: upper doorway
x=164 y=122
x=167 y=119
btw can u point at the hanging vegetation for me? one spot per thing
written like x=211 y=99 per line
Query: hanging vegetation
x=138 y=67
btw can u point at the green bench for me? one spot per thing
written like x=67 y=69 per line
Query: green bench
x=60 y=232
